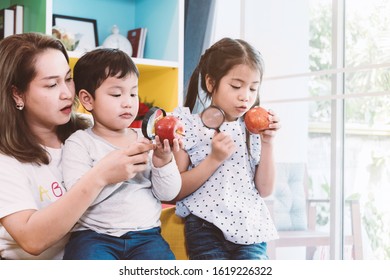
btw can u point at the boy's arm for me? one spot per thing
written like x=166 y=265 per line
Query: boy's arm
x=166 y=181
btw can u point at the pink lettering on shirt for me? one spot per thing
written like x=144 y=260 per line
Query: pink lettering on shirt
x=56 y=189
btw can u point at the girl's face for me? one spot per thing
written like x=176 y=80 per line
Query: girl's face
x=116 y=103
x=49 y=97
x=237 y=91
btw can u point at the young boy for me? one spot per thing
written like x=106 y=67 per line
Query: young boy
x=124 y=221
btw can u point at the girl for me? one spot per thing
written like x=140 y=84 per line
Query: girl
x=226 y=173
x=37 y=94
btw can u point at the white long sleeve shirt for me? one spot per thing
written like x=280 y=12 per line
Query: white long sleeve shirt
x=131 y=205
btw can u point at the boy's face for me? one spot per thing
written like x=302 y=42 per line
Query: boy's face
x=116 y=102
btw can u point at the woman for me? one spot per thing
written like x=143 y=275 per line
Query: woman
x=37 y=95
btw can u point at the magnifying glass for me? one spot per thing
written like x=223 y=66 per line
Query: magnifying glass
x=213 y=117
x=151 y=117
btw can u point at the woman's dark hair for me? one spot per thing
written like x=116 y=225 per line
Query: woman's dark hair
x=217 y=61
x=18 y=55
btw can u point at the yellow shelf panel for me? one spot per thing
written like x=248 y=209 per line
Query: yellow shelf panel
x=159 y=86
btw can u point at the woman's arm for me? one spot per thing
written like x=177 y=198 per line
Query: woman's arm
x=37 y=230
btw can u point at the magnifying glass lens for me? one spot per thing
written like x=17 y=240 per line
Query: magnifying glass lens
x=213 y=117
x=151 y=117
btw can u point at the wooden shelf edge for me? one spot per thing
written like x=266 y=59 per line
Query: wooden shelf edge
x=138 y=61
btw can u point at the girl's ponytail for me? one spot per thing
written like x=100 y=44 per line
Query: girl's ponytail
x=193 y=89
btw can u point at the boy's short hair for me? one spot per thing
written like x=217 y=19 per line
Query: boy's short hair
x=94 y=67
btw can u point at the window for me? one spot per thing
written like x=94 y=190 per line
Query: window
x=327 y=76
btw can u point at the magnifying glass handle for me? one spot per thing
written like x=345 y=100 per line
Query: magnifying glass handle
x=217 y=130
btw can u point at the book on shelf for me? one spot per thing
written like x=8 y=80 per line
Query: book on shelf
x=6 y=22
x=18 y=11
x=137 y=38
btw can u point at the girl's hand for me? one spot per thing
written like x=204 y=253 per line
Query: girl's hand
x=222 y=146
x=162 y=154
x=267 y=135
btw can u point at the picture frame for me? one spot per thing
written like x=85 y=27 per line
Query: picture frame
x=84 y=28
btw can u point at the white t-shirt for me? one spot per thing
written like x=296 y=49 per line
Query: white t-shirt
x=26 y=186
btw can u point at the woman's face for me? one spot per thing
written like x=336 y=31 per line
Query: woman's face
x=49 y=96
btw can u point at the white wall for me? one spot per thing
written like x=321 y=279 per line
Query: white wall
x=275 y=28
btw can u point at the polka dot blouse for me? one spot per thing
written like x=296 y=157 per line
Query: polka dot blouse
x=229 y=198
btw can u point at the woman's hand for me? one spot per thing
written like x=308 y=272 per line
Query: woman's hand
x=120 y=165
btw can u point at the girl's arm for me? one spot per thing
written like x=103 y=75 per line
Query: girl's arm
x=265 y=171
x=222 y=148
x=37 y=230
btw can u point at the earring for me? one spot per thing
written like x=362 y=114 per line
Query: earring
x=20 y=106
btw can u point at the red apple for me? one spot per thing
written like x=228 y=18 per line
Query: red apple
x=169 y=127
x=256 y=120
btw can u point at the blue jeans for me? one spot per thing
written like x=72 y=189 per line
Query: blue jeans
x=134 y=245
x=206 y=242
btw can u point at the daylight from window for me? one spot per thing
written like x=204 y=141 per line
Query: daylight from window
x=327 y=76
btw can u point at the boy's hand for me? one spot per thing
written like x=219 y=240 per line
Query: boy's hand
x=162 y=154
